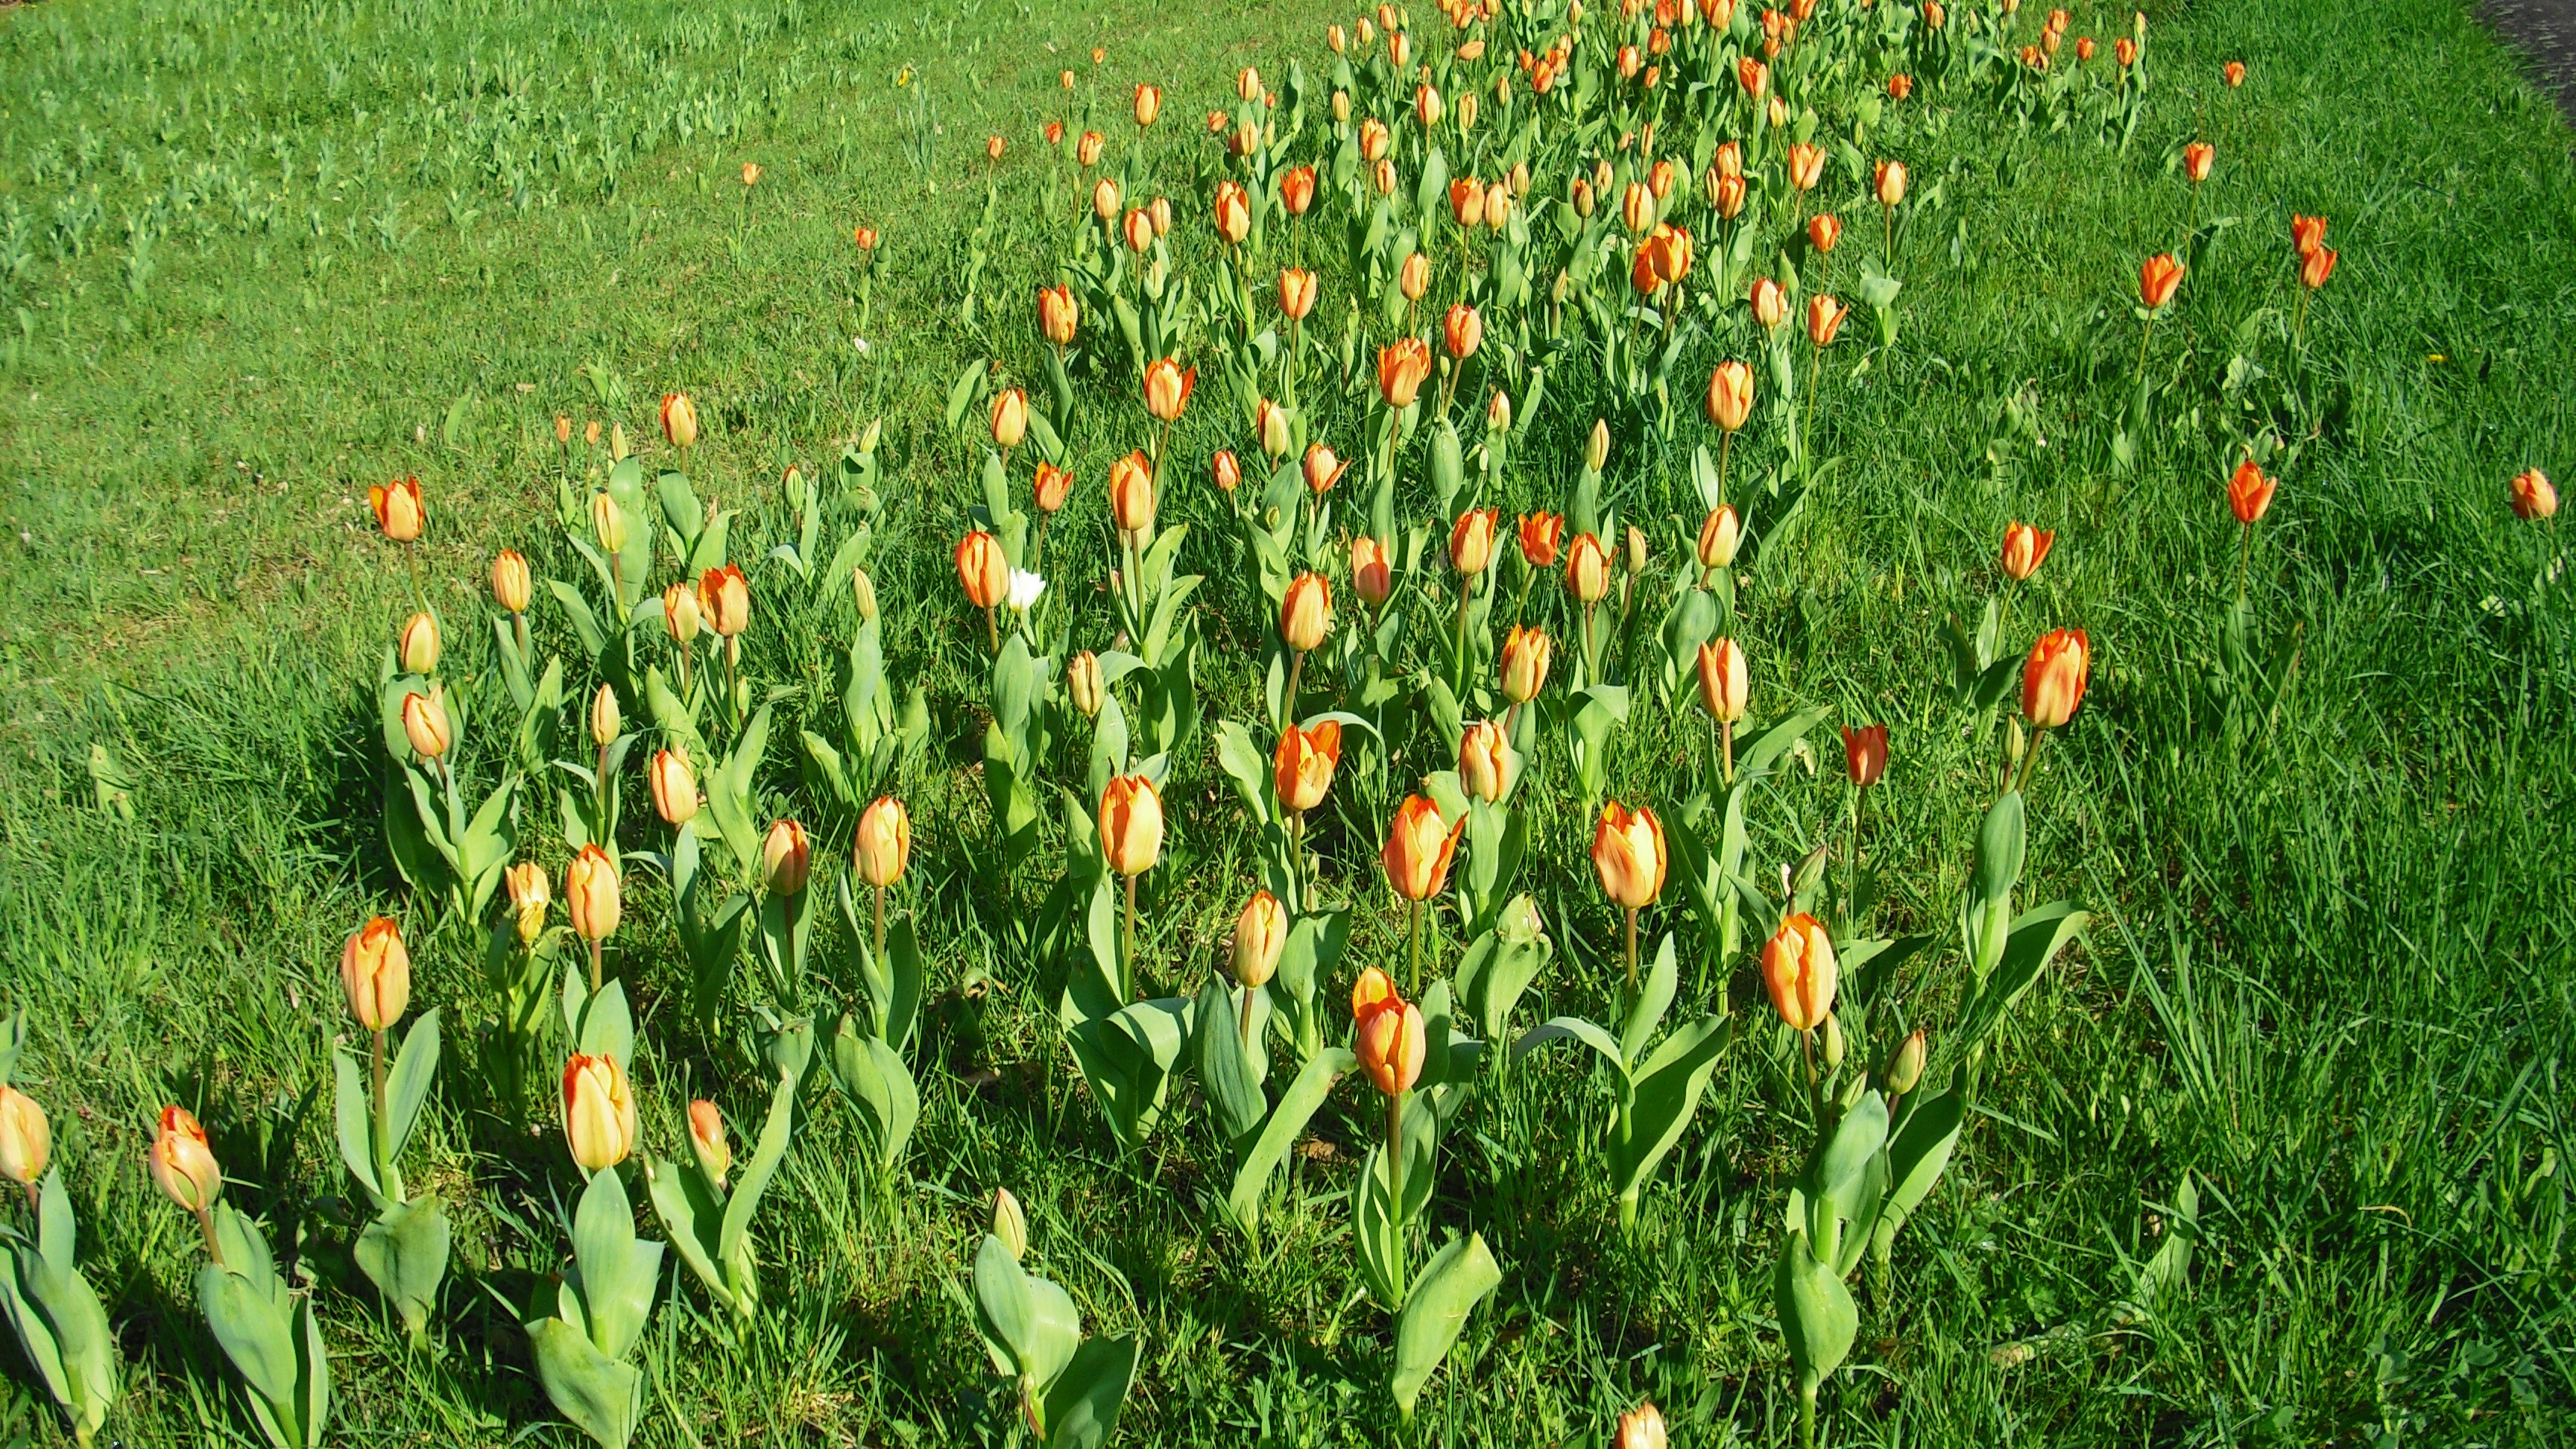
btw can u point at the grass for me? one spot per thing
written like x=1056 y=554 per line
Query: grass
x=2330 y=970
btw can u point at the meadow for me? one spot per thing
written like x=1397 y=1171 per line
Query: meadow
x=2270 y=1146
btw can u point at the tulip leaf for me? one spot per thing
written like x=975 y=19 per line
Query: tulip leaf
x=404 y=1253
x=601 y=1396
x=1242 y=762
x=875 y=1078
x=1818 y=1320
x=1665 y=1092
x=1501 y=964
x=1457 y=1278
x=689 y=1208
x=1032 y=1319
x=1662 y=980
x=962 y=393
x=248 y=1311
x=2029 y=946
x=353 y=1121
x=1776 y=741
x=1287 y=1121
x=1228 y=1072
x=1926 y=1133
x=765 y=1157
x=616 y=1270
x=1082 y=1404
x=407 y=1088
x=1595 y=1037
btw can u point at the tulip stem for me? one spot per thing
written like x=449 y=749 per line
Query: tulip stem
x=1632 y=958
x=383 y=1125
x=880 y=924
x=1806 y=430
x=1288 y=701
x=1851 y=897
x=1725 y=437
x=1395 y=1183
x=1726 y=747
x=1458 y=635
x=1413 y=954
x=206 y=1225
x=2244 y=547
x=594 y=968
x=1245 y=1024
x=1297 y=858
x=1127 y=952
x=992 y=631
x=2030 y=761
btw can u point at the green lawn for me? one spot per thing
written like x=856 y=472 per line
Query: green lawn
x=2330 y=973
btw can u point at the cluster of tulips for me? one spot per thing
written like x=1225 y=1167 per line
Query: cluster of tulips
x=1505 y=192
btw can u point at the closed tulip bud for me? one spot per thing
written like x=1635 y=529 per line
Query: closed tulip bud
x=1630 y=61
x=2016 y=744
x=2025 y=549
x=1399 y=49
x=424 y=721
x=1587 y=569
x=1628 y=855
x=1467 y=111
x=599 y=1112
x=1131 y=825
x=707 y=1141
x=1889 y=183
x=680 y=617
x=1260 y=936
x=2307 y=233
x=375 y=974
x=563 y=431
x=1059 y=315
x=1419 y=847
x=993 y=148
x=724 y=600
x=1159 y=212
x=675 y=786
x=1321 y=467
x=1301 y=768
x=1539 y=535
x=1498 y=206
x=2157 y=280
x=618 y=449
x=398 y=508
x=2534 y=496
x=1131 y=494
x=26 y=1138
x=2196 y=159
x=605 y=725
x=679 y=420
x=1225 y=471
x=1865 y=754
x=1719 y=536
x=1799 y=971
x=1105 y=199
x=1010 y=417
x=2249 y=493
x=1055 y=130
x=510 y=582
x=1806 y=165
x=1934 y=15
x=1823 y=230
x=1413 y=278
x=1467 y=201
x=1905 y=1065
x=1660 y=179
x=2125 y=51
x=1724 y=681
x=1471 y=540
x=1082 y=681
x=1233 y=213
x=420 y=644
x=1387 y=1034
x=1271 y=422
x=590 y=894
x=1770 y=304
x=1168 y=388
x=1524 y=662
x=885 y=840
x=1834 y=1045
x=1636 y=553
x=1824 y=319
x=1641 y=1428
x=1498 y=413
x=1342 y=108
x=1596 y=445
x=1139 y=230
x=863 y=594
x=1401 y=367
x=1149 y=104
x=2052 y=682
x=2315 y=267
x=1306 y=613
x=1752 y=75
x=530 y=893
x=786 y=858
x=2084 y=50
x=2235 y=74
x=1372 y=572
x=1899 y=86
x=1581 y=194
x=608 y=522
x=982 y=571
x=1053 y=485
x=1426 y=106
x=1297 y=190
x=1335 y=40
x=1484 y=758
x=1373 y=141
x=183 y=1166
x=1298 y=289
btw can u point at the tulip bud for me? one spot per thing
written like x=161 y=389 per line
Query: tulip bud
x=1834 y=1045
x=1498 y=413
x=1260 y=936
x=1719 y=537
x=982 y=571
x=510 y=582
x=599 y=1112
x=1301 y=768
x=183 y=1166
x=1372 y=573
x=1058 y=315
x=2016 y=744
x=1471 y=540
x=1799 y=971
x=1770 y=304
x=604 y=721
x=1297 y=292
x=1823 y=230
x=2197 y=159
x=1275 y=438
x=420 y=645
x=1131 y=494
x=1131 y=825
x=679 y=421
x=2025 y=549
x=618 y=447
x=1628 y=855
x=786 y=858
x=884 y=842
x=1149 y=104
x=1104 y=196
x=1159 y=212
x=863 y=592
x=425 y=724
x=590 y=894
x=530 y=893
x=1306 y=613
x=563 y=435
x=2534 y=496
x=1463 y=330
x=707 y=1141
x=1724 y=683
x=1413 y=278
x=1642 y=1428
x=26 y=1138
x=1587 y=570
x=1082 y=682
x=608 y=522
x=1596 y=448
x=1825 y=319
x=2053 y=679
x=1905 y=1064
x=1484 y=761
x=1524 y=661
x=375 y=974
x=1054 y=485
x=1865 y=754
x=1636 y=559
x=1419 y=848
x=1010 y=1224
x=1010 y=417
x=398 y=508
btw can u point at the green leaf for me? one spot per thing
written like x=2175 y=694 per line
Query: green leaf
x=1457 y=1279
x=2028 y=946
x=353 y=1119
x=1229 y=1073
x=616 y=1270
x=1313 y=1083
x=962 y=393
x=874 y=1077
x=1082 y=1404
x=598 y=1394
x=1925 y=1135
x=407 y=1087
x=1666 y=1091
x=254 y=1330
x=404 y=1253
x=1029 y=1318
x=754 y=1180
x=1500 y=966
x=1817 y=1318
x=689 y=1209
x=1662 y=980
x=1596 y=1037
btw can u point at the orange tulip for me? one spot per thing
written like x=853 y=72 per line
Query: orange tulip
x=1372 y=572
x=1419 y=847
x=1823 y=230
x=1628 y=855
x=884 y=842
x=1524 y=661
x=675 y=786
x=418 y=647
x=1642 y=1428
x=1865 y=754
x=1301 y=768
x=1233 y=212
x=1053 y=485
x=1724 y=682
x=1730 y=395
x=1322 y=469
x=1484 y=761
x=1131 y=825
x=1086 y=153
x=1719 y=536
x=1539 y=535
x=2249 y=493
x=1668 y=250
x=2196 y=159
x=2025 y=549
x=1471 y=540
x=2157 y=280
x=2316 y=266
x=1498 y=205
x=399 y=511
x=2307 y=233
x=1824 y=319
x=1297 y=291
x=1306 y=613
x=1401 y=367
x=1139 y=230
x=2125 y=51
x=1753 y=75
x=1806 y=165
x=982 y=571
x=786 y=858
x=1225 y=471
x=2235 y=74
x=2052 y=682
x=1587 y=569
x=1770 y=304
x=1149 y=104
x=510 y=581
x=1058 y=314
x=2534 y=496
x=1168 y=388
x=1900 y=85
x=1010 y=417
x=1463 y=329
x=183 y=1165
x=375 y=974
x=530 y=894
x=1386 y=1033
x=679 y=421
x=1799 y=970
x=1131 y=494
x=425 y=723
x=1373 y=141
x=1889 y=183
x=724 y=599
x=707 y=1141
x=591 y=895
x=1297 y=190
x=1260 y=938
x=599 y=1112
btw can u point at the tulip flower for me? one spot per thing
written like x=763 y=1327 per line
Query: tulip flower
x=1010 y=419
x=1233 y=213
x=1053 y=485
x=2534 y=497
x=1806 y=165
x=1484 y=761
x=1059 y=315
x=1086 y=153
x=1167 y=392
x=1724 y=684
x=786 y=858
x=1463 y=330
x=2157 y=280
x=375 y=975
x=591 y=900
x=1753 y=76
x=1301 y=768
x=1401 y=367
x=2052 y=685
x=1641 y=1428
x=1372 y=572
x=1498 y=413
x=399 y=511
x=1297 y=190
x=2249 y=493
x=1419 y=848
x=2084 y=50
x=1770 y=304
x=1539 y=534
x=1149 y=104
x=1131 y=841
x=1799 y=971
x=883 y=846
x=26 y=1139
x=1305 y=617
x=184 y=1168
x=1823 y=230
x=1373 y=141
x=419 y=646
x=510 y=582
x=1322 y=469
x=1524 y=663
x=1587 y=570
x=599 y=1112
x=1297 y=292
x=1865 y=754
x=984 y=573
x=2235 y=73
x=1139 y=230
x=2314 y=268
x=724 y=599
x=1719 y=537
x=707 y=1141
x=1629 y=859
x=1260 y=937
x=530 y=894
x=1900 y=85
x=2025 y=549
x=679 y=422
x=2197 y=159
x=1825 y=319
x=425 y=724
x=1224 y=471
x=1904 y=1070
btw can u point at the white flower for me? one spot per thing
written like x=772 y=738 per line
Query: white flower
x=1024 y=590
